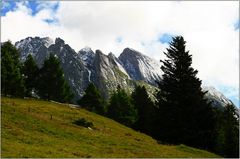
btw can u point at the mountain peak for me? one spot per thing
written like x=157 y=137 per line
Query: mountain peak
x=87 y=55
x=86 y=49
x=99 y=52
x=111 y=55
x=86 y=66
x=140 y=67
x=217 y=98
x=35 y=46
x=131 y=52
x=59 y=41
x=34 y=40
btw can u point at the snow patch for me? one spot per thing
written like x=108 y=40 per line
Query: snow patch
x=89 y=75
x=86 y=49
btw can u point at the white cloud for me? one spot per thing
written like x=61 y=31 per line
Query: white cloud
x=19 y=24
x=208 y=28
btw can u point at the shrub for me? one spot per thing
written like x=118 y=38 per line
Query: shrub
x=83 y=122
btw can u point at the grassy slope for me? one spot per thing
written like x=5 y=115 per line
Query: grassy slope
x=32 y=133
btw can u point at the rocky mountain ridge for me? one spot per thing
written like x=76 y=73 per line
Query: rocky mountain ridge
x=105 y=71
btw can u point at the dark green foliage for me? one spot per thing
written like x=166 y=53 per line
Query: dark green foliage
x=231 y=132
x=227 y=134
x=11 y=78
x=30 y=71
x=121 y=108
x=83 y=122
x=145 y=108
x=92 y=100
x=52 y=85
x=184 y=115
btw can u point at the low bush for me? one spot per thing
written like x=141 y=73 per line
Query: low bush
x=83 y=122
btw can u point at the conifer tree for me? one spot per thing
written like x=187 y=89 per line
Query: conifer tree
x=121 y=108
x=52 y=85
x=30 y=71
x=145 y=108
x=231 y=131
x=11 y=77
x=184 y=115
x=92 y=100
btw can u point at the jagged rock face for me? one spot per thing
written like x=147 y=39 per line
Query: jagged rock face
x=217 y=98
x=74 y=70
x=140 y=67
x=105 y=71
x=87 y=56
x=36 y=46
x=108 y=73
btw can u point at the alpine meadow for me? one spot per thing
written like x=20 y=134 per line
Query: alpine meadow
x=163 y=81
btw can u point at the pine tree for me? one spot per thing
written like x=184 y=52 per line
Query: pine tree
x=92 y=100
x=231 y=132
x=184 y=115
x=121 y=108
x=145 y=108
x=52 y=85
x=11 y=78
x=30 y=71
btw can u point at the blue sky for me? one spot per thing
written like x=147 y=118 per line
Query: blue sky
x=83 y=24
x=165 y=38
x=34 y=6
x=237 y=25
x=7 y=6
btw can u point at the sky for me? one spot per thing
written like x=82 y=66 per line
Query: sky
x=210 y=28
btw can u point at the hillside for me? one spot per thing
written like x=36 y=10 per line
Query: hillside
x=29 y=131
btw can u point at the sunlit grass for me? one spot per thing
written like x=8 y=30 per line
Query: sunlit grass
x=35 y=128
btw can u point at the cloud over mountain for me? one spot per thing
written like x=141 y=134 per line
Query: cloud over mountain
x=208 y=27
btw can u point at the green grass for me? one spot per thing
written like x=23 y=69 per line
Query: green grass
x=29 y=131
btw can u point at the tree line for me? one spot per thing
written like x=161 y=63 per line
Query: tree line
x=28 y=80
x=179 y=114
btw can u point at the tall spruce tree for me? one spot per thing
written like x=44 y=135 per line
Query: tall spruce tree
x=52 y=85
x=184 y=115
x=121 y=108
x=30 y=71
x=11 y=77
x=92 y=100
x=145 y=108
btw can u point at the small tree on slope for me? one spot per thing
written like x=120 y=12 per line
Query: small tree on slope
x=30 y=71
x=11 y=78
x=52 y=85
x=145 y=108
x=121 y=108
x=92 y=100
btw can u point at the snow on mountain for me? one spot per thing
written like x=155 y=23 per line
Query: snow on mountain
x=216 y=97
x=105 y=71
x=140 y=67
x=36 y=46
x=86 y=55
x=118 y=63
x=33 y=44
